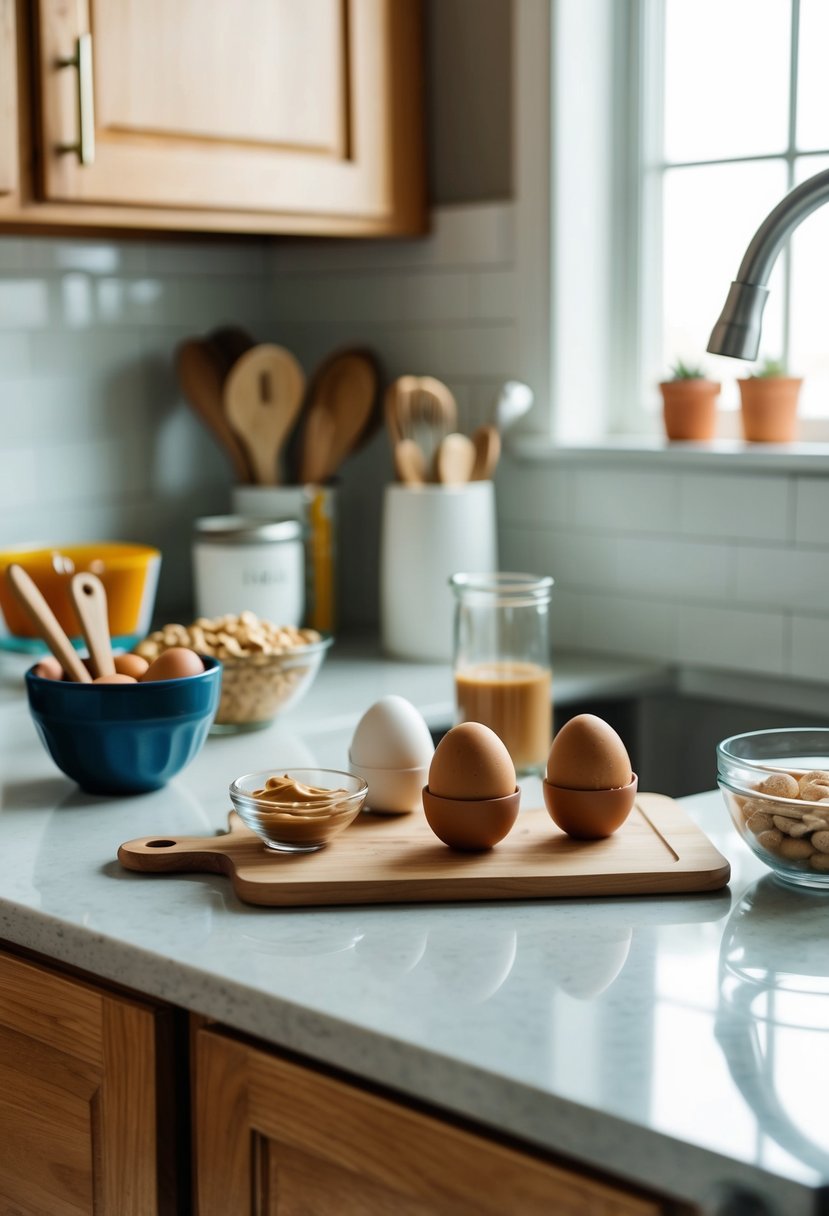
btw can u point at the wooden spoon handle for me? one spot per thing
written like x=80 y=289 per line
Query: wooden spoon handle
x=409 y=463
x=487 y=443
x=455 y=459
x=47 y=623
x=90 y=601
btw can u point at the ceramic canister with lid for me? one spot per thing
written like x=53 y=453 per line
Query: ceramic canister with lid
x=253 y=565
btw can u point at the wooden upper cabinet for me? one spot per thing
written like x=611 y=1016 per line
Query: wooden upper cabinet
x=82 y=1124
x=278 y=1139
x=308 y=111
x=8 y=103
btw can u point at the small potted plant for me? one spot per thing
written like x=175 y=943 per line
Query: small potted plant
x=768 y=403
x=689 y=403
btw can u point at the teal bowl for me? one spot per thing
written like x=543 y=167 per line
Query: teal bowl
x=124 y=738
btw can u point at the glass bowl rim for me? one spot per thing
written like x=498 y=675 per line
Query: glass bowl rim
x=263 y=660
x=724 y=751
x=237 y=794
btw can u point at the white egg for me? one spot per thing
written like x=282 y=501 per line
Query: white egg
x=392 y=734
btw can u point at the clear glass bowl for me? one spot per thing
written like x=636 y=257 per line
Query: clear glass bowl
x=259 y=687
x=291 y=826
x=790 y=834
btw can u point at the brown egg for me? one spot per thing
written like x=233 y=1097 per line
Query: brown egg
x=116 y=679
x=130 y=665
x=174 y=664
x=49 y=668
x=471 y=762
x=587 y=754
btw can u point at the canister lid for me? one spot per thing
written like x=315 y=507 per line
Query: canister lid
x=239 y=530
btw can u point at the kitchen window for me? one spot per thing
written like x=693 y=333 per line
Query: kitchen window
x=675 y=126
x=736 y=113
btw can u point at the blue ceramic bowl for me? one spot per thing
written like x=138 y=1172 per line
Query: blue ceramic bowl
x=124 y=738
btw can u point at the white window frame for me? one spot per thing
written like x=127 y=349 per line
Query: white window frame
x=587 y=129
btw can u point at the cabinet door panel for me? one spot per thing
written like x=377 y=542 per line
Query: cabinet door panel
x=264 y=71
x=78 y=1099
x=265 y=105
x=8 y=106
x=276 y=1138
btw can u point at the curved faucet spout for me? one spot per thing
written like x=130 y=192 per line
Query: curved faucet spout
x=737 y=332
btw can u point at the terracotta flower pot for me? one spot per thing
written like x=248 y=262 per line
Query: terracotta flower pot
x=689 y=408
x=768 y=408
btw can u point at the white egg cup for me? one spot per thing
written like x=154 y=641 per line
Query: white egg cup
x=392 y=791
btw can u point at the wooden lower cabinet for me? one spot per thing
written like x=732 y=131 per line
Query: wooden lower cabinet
x=277 y=1139
x=84 y=1099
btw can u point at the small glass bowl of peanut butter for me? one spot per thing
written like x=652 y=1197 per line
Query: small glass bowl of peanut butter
x=298 y=810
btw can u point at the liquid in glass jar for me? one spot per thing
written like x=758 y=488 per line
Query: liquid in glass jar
x=503 y=674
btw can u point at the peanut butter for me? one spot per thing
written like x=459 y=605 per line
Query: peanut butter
x=302 y=814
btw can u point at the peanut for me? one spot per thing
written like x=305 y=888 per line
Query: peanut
x=255 y=683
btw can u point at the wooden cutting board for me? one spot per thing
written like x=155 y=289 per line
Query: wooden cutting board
x=397 y=859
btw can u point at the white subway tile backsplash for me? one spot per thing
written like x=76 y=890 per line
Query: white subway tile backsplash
x=209 y=258
x=380 y=300
x=465 y=235
x=637 y=500
x=739 y=506
x=24 y=303
x=673 y=569
x=812 y=511
x=19 y=476
x=618 y=624
x=783 y=577
x=733 y=639
x=15 y=357
x=494 y=295
x=810 y=647
x=535 y=494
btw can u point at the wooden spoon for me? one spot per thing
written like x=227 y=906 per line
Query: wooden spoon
x=89 y=598
x=227 y=344
x=344 y=388
x=487 y=444
x=410 y=463
x=262 y=397
x=200 y=378
x=454 y=459
x=315 y=448
x=44 y=618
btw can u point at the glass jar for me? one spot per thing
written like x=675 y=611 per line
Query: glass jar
x=503 y=675
x=251 y=565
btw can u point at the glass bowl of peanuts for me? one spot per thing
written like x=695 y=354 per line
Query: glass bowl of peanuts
x=776 y=787
x=266 y=668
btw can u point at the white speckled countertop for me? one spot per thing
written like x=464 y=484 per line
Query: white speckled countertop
x=680 y=1042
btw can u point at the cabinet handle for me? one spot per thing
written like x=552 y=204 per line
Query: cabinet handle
x=82 y=61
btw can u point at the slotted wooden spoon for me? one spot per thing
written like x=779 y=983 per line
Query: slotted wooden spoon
x=89 y=599
x=262 y=397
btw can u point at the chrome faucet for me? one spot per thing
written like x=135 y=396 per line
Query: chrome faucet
x=737 y=332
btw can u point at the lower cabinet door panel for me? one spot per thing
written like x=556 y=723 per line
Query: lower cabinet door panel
x=79 y=1130
x=277 y=1139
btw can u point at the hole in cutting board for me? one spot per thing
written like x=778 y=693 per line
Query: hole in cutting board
x=160 y=844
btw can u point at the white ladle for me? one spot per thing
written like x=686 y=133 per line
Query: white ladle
x=47 y=623
x=514 y=400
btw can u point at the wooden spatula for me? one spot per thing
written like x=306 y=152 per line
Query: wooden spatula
x=89 y=599
x=262 y=397
x=48 y=627
x=201 y=378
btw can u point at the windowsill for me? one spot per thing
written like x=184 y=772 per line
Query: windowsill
x=719 y=453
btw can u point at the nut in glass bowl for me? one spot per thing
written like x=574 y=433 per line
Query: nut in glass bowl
x=298 y=810
x=776 y=786
x=266 y=668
